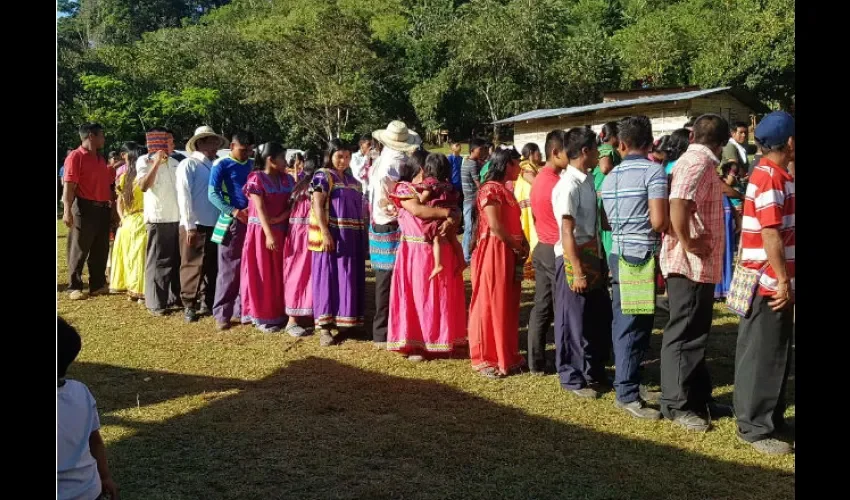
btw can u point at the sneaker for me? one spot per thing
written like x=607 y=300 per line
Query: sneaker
x=585 y=393
x=222 y=326
x=190 y=315
x=77 y=295
x=325 y=338
x=692 y=422
x=295 y=331
x=651 y=396
x=415 y=358
x=104 y=290
x=638 y=409
x=770 y=446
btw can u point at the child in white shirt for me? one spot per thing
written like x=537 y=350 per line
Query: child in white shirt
x=81 y=469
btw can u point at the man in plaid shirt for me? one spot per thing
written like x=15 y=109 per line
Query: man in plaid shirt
x=691 y=260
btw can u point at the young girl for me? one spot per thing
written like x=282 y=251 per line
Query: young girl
x=127 y=272
x=261 y=278
x=298 y=289
x=436 y=191
x=296 y=166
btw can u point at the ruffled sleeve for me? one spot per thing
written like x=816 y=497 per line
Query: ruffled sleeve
x=255 y=184
x=490 y=193
x=401 y=192
x=320 y=182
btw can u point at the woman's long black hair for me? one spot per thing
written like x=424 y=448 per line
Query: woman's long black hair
x=499 y=162
x=677 y=144
x=333 y=146
x=134 y=152
x=414 y=164
x=311 y=164
x=266 y=151
x=609 y=131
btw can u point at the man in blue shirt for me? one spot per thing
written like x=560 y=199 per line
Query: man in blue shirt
x=198 y=216
x=456 y=160
x=227 y=180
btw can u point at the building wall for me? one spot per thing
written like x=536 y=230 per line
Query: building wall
x=664 y=120
x=665 y=117
x=724 y=105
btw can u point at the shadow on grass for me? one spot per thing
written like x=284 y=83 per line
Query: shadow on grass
x=322 y=429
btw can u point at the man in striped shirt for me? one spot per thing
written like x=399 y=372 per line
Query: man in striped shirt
x=634 y=196
x=763 y=354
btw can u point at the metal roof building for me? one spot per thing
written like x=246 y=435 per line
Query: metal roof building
x=667 y=111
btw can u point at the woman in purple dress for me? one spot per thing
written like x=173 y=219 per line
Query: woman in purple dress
x=337 y=238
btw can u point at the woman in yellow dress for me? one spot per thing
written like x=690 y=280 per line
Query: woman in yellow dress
x=128 y=252
x=531 y=161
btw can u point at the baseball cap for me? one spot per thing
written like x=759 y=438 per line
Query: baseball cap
x=775 y=129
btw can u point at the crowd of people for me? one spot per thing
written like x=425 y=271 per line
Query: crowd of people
x=602 y=223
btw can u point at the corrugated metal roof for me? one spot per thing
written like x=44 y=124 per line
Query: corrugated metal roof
x=656 y=99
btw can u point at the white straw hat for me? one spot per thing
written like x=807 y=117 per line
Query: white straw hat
x=397 y=136
x=202 y=133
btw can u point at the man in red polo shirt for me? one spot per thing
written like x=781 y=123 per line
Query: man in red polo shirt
x=543 y=257
x=87 y=210
x=763 y=354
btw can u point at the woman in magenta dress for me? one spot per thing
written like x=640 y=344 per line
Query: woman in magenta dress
x=298 y=287
x=261 y=279
x=427 y=316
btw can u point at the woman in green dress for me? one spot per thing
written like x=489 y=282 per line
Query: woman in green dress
x=609 y=158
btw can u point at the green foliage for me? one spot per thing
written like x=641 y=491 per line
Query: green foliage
x=304 y=71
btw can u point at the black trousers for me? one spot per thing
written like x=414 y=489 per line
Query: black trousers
x=685 y=381
x=198 y=268
x=543 y=310
x=383 y=280
x=162 y=266
x=88 y=242
x=762 y=365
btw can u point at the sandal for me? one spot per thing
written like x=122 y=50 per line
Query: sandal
x=490 y=373
x=325 y=338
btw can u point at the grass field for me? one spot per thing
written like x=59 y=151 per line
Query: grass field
x=189 y=413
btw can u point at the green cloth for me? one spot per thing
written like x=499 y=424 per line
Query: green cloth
x=483 y=172
x=598 y=177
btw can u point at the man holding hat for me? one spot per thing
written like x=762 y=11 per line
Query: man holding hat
x=763 y=353
x=198 y=253
x=384 y=234
x=156 y=176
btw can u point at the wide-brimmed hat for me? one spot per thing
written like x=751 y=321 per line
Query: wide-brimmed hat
x=397 y=136
x=202 y=133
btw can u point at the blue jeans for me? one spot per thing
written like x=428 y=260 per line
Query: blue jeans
x=468 y=218
x=630 y=335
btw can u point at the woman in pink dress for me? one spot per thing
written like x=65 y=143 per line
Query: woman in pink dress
x=427 y=316
x=298 y=288
x=268 y=192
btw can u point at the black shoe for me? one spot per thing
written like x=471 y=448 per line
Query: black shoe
x=190 y=315
x=718 y=410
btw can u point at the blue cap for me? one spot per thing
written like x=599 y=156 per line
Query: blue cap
x=775 y=129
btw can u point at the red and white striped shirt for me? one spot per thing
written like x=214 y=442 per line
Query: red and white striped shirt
x=770 y=203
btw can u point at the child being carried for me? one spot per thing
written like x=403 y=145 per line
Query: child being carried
x=436 y=191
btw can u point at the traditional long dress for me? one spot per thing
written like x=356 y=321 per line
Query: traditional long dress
x=127 y=263
x=605 y=150
x=297 y=260
x=522 y=193
x=261 y=279
x=425 y=315
x=722 y=289
x=494 y=311
x=339 y=277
